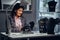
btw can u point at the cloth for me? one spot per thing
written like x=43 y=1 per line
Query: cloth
x=18 y=23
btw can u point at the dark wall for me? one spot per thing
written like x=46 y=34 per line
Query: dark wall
x=0 y=5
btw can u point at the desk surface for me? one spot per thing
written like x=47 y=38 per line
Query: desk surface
x=20 y=35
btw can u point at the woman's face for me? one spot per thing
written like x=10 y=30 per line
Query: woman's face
x=19 y=12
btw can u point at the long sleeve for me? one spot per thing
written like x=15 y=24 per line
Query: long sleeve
x=8 y=25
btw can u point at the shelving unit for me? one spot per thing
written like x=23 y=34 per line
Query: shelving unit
x=6 y=6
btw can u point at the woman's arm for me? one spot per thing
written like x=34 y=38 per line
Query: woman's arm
x=8 y=25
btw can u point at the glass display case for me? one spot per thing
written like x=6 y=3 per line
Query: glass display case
x=43 y=13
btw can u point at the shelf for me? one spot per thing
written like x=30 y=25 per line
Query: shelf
x=49 y=12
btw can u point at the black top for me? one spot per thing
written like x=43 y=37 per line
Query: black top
x=52 y=5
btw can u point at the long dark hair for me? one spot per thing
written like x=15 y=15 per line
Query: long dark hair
x=16 y=7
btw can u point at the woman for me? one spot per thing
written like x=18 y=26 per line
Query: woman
x=16 y=20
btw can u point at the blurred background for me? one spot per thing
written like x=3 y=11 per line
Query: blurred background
x=34 y=11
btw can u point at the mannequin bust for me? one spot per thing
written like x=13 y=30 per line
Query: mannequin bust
x=52 y=5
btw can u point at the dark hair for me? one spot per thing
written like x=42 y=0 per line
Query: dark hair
x=16 y=7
